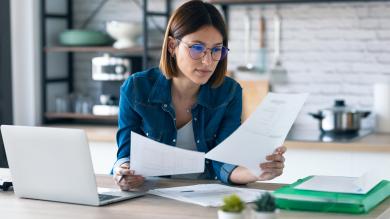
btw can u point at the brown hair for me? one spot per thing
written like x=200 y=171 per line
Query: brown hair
x=188 y=18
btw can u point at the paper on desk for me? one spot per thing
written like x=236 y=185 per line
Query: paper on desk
x=262 y=133
x=152 y=158
x=207 y=195
x=341 y=184
x=5 y=174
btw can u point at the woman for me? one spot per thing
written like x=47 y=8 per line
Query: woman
x=187 y=102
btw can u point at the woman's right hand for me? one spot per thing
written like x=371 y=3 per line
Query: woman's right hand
x=126 y=179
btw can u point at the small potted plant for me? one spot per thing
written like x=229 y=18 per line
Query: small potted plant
x=264 y=207
x=232 y=208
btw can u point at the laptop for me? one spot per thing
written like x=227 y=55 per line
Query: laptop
x=55 y=164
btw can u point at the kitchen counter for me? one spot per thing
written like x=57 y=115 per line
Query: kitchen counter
x=375 y=142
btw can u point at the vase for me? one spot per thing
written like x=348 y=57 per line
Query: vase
x=263 y=215
x=230 y=215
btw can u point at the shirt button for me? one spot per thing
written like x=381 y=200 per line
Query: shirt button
x=207 y=161
x=197 y=141
x=195 y=119
x=147 y=133
x=174 y=140
x=165 y=105
x=174 y=119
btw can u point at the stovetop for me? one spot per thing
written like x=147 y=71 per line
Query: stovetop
x=318 y=136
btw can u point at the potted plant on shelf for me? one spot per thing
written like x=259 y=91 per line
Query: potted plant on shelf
x=232 y=208
x=264 y=207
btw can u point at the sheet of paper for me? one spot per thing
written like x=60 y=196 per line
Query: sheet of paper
x=207 y=195
x=151 y=158
x=264 y=131
x=5 y=174
x=341 y=184
x=331 y=184
x=369 y=180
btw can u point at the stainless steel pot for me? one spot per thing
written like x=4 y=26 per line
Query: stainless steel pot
x=340 y=118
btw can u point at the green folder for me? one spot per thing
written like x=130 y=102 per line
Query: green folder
x=288 y=197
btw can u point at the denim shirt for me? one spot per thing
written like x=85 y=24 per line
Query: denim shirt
x=145 y=107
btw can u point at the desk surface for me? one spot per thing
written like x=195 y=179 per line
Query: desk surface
x=148 y=206
x=375 y=142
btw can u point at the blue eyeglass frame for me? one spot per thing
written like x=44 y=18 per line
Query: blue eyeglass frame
x=223 y=55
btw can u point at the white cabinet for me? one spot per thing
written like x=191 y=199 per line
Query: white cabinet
x=103 y=156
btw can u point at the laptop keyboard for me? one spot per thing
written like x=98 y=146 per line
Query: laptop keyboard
x=103 y=197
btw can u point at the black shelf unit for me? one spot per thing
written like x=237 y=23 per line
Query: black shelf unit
x=49 y=117
x=226 y=4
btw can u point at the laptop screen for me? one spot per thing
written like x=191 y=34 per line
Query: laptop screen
x=3 y=158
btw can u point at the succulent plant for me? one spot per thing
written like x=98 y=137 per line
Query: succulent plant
x=232 y=203
x=265 y=202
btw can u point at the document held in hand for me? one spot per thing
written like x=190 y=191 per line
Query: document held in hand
x=264 y=131
x=152 y=158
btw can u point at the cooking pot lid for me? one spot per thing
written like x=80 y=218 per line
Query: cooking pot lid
x=340 y=106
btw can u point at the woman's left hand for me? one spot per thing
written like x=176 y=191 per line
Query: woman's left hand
x=275 y=166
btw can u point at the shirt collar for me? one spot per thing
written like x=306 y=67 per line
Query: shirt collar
x=161 y=92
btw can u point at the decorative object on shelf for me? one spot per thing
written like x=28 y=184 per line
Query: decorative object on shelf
x=81 y=36
x=248 y=65
x=278 y=74
x=108 y=68
x=265 y=207
x=83 y=105
x=382 y=107
x=108 y=107
x=125 y=33
x=84 y=38
x=262 y=52
x=62 y=104
x=232 y=208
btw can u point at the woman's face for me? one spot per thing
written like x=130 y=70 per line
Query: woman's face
x=198 y=70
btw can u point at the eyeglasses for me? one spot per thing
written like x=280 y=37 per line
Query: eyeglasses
x=198 y=51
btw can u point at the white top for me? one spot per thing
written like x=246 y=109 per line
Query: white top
x=185 y=140
x=185 y=137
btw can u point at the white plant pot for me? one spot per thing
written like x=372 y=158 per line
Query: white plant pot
x=263 y=215
x=230 y=215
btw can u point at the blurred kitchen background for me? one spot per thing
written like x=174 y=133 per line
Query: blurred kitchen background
x=334 y=50
x=331 y=50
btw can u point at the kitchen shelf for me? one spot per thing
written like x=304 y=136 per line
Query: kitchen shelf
x=132 y=50
x=65 y=82
x=78 y=116
x=238 y=2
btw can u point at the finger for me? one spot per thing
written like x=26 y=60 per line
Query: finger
x=265 y=176
x=281 y=150
x=124 y=188
x=133 y=179
x=270 y=174
x=125 y=165
x=276 y=157
x=121 y=181
x=272 y=165
x=135 y=184
x=123 y=171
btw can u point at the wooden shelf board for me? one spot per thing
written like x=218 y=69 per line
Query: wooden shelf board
x=79 y=116
x=135 y=50
x=278 y=1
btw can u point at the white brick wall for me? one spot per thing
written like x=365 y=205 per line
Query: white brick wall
x=332 y=50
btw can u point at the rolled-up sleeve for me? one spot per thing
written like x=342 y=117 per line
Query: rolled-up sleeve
x=128 y=120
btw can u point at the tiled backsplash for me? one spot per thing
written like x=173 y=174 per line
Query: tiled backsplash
x=331 y=50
